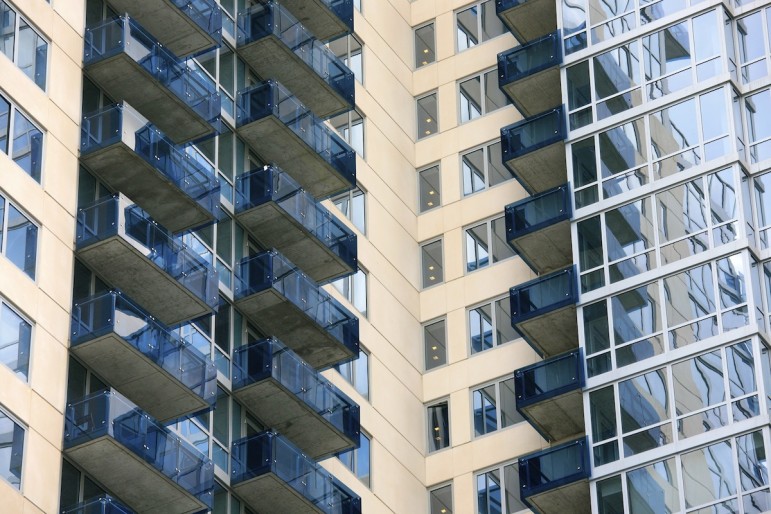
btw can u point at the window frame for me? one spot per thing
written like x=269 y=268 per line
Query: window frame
x=15 y=60
x=493 y=323
x=437 y=487
x=354 y=460
x=347 y=126
x=352 y=375
x=346 y=287
x=501 y=468
x=477 y=4
x=348 y=54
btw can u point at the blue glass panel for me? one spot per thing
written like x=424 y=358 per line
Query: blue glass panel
x=532 y=134
x=205 y=13
x=538 y=211
x=343 y=9
x=549 y=378
x=15 y=339
x=543 y=295
x=27 y=149
x=528 y=59
x=554 y=467
x=101 y=505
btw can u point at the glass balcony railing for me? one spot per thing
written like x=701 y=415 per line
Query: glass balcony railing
x=113 y=312
x=101 y=505
x=546 y=379
x=268 y=452
x=528 y=59
x=271 y=19
x=544 y=294
x=116 y=216
x=271 y=184
x=538 y=211
x=205 y=13
x=120 y=123
x=124 y=35
x=106 y=413
x=272 y=270
x=343 y=9
x=532 y=134
x=554 y=467
x=271 y=99
x=269 y=358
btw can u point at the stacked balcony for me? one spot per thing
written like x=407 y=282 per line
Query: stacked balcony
x=282 y=301
x=123 y=245
x=528 y=19
x=271 y=475
x=543 y=311
x=281 y=215
x=99 y=505
x=549 y=395
x=148 y=363
x=276 y=45
x=530 y=75
x=283 y=131
x=152 y=470
x=326 y=19
x=128 y=154
x=285 y=393
x=130 y=65
x=555 y=480
x=538 y=228
x=185 y=27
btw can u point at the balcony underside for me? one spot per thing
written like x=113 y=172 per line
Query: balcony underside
x=531 y=19
x=559 y=417
x=129 y=477
x=317 y=18
x=270 y=57
x=547 y=249
x=118 y=262
x=573 y=498
x=551 y=333
x=275 y=228
x=268 y=493
x=276 y=143
x=285 y=412
x=541 y=169
x=536 y=93
x=276 y=315
x=138 y=378
x=174 y=29
x=124 y=170
x=123 y=79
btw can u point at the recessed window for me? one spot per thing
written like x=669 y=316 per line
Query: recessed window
x=490 y=325
x=352 y=205
x=427 y=116
x=435 y=344
x=431 y=263
x=495 y=407
x=358 y=459
x=15 y=340
x=18 y=238
x=440 y=500
x=26 y=145
x=486 y=242
x=438 y=427
x=354 y=288
x=498 y=490
x=483 y=168
x=425 y=52
x=480 y=95
x=477 y=24
x=430 y=185
x=23 y=45
x=11 y=450
x=349 y=50
x=350 y=126
x=356 y=372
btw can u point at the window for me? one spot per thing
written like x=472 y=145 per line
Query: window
x=483 y=168
x=354 y=288
x=495 y=407
x=352 y=205
x=27 y=147
x=18 y=238
x=11 y=450
x=438 y=427
x=488 y=319
x=440 y=500
x=431 y=263
x=349 y=50
x=425 y=51
x=15 y=339
x=477 y=24
x=473 y=103
x=427 y=116
x=430 y=188
x=485 y=239
x=357 y=5
x=358 y=459
x=23 y=45
x=350 y=126
x=356 y=372
x=435 y=344
x=498 y=490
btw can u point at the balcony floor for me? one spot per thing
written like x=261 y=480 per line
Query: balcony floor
x=553 y=333
x=536 y=93
x=548 y=249
x=134 y=481
x=317 y=18
x=573 y=498
x=531 y=19
x=124 y=170
x=138 y=378
x=275 y=228
x=268 y=493
x=541 y=169
x=122 y=265
x=282 y=410
x=559 y=417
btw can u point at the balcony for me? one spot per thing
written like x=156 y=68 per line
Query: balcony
x=528 y=19
x=543 y=311
x=151 y=469
x=281 y=215
x=549 y=395
x=282 y=301
x=100 y=505
x=555 y=480
x=285 y=393
x=534 y=150
x=271 y=475
x=185 y=27
x=148 y=363
x=124 y=151
x=530 y=75
x=276 y=45
x=285 y=132
x=325 y=19
x=131 y=65
x=538 y=228
x=118 y=241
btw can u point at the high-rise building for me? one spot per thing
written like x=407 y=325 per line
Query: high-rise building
x=384 y=256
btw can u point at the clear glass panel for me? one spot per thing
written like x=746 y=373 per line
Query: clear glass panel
x=636 y=313
x=508 y=402
x=489 y=493
x=689 y=295
x=504 y=332
x=494 y=97
x=11 y=450
x=32 y=54
x=741 y=369
x=511 y=482
x=610 y=498
x=7 y=29
x=27 y=145
x=751 y=451
x=468 y=28
x=441 y=500
x=496 y=171
x=602 y=407
x=491 y=24
x=501 y=248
